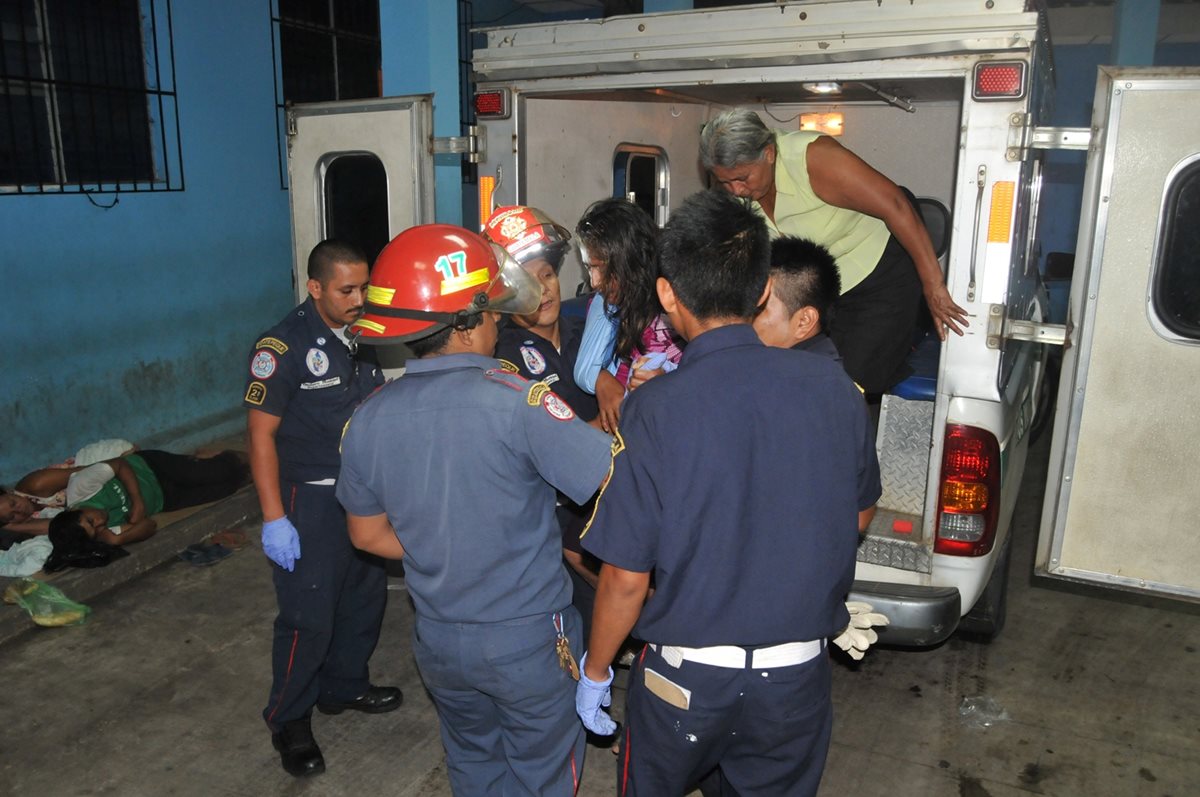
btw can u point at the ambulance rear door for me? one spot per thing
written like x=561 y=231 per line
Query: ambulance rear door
x=1122 y=500
x=359 y=170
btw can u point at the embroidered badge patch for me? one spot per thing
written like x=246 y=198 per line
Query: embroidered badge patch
x=534 y=360
x=262 y=365
x=557 y=407
x=256 y=393
x=317 y=362
x=272 y=343
x=536 y=392
x=511 y=368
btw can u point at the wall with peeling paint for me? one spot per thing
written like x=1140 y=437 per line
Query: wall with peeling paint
x=135 y=321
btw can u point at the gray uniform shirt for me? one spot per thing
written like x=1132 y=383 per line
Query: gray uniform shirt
x=464 y=459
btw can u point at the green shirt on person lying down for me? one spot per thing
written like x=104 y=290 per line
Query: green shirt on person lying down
x=111 y=495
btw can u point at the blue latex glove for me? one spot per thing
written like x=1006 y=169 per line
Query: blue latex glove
x=281 y=542
x=589 y=697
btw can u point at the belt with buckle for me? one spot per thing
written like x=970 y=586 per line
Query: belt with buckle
x=733 y=657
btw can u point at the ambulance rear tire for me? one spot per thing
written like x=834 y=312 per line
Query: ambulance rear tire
x=986 y=619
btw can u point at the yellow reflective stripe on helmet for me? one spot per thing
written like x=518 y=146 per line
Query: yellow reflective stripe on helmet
x=377 y=294
x=371 y=325
x=469 y=280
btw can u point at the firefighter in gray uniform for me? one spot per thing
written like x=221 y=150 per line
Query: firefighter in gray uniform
x=453 y=467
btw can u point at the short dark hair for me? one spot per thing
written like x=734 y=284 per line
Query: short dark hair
x=66 y=525
x=327 y=254
x=715 y=252
x=430 y=344
x=806 y=275
x=626 y=238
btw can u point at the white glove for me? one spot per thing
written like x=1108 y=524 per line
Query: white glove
x=858 y=636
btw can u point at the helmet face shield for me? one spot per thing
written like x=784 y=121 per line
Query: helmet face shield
x=513 y=290
x=528 y=234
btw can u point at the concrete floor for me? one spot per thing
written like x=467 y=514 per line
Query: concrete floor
x=160 y=693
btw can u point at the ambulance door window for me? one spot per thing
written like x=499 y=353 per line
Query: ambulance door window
x=356 y=202
x=1175 y=293
x=642 y=175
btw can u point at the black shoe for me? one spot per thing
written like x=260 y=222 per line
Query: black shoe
x=298 y=751
x=376 y=700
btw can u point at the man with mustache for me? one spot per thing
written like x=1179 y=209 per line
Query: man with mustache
x=303 y=384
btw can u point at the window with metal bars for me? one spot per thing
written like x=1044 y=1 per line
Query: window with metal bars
x=326 y=50
x=87 y=100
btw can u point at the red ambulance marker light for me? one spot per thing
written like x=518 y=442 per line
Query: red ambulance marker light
x=999 y=80
x=492 y=104
x=902 y=526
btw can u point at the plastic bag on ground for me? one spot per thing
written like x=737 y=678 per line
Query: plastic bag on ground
x=981 y=712
x=46 y=604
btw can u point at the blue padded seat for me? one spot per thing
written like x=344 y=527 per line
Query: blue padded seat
x=922 y=385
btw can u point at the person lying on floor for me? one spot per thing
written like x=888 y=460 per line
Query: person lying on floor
x=30 y=514
x=128 y=490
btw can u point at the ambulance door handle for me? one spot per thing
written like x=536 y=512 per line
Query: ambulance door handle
x=980 y=181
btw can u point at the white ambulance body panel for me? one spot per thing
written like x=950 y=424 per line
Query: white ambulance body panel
x=1122 y=500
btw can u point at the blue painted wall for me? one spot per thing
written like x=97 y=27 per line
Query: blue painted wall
x=134 y=321
x=419 y=44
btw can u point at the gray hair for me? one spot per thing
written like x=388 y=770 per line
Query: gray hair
x=734 y=137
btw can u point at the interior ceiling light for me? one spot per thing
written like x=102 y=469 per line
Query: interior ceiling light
x=827 y=87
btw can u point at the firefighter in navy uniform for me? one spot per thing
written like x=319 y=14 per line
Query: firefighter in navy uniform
x=541 y=345
x=740 y=481
x=453 y=467
x=303 y=385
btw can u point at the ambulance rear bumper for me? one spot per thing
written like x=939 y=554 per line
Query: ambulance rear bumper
x=920 y=616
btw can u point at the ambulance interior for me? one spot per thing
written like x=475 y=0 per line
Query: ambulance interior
x=643 y=143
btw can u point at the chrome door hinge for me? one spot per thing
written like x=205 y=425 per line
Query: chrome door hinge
x=1001 y=328
x=1023 y=137
x=471 y=145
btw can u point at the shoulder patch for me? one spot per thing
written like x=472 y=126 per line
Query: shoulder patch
x=618 y=443
x=537 y=392
x=272 y=343
x=256 y=393
x=557 y=408
x=262 y=365
x=509 y=367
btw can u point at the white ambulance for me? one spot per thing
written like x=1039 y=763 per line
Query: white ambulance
x=944 y=97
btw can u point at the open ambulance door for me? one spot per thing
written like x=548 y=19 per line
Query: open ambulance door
x=359 y=170
x=1123 y=493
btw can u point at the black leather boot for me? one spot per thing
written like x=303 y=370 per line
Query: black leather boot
x=376 y=700
x=298 y=751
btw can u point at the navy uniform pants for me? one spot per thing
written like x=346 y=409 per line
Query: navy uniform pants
x=507 y=709
x=330 y=610
x=768 y=730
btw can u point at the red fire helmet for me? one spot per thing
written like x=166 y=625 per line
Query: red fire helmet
x=437 y=275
